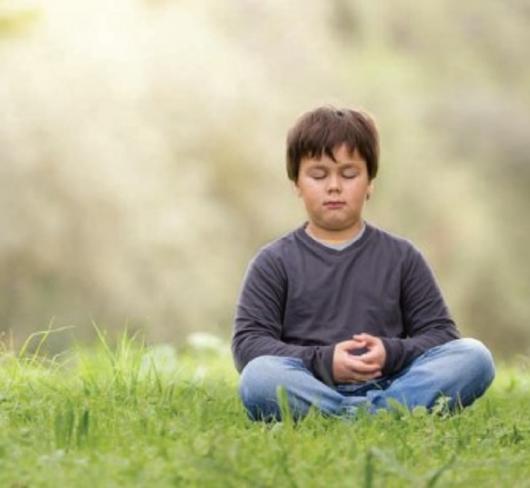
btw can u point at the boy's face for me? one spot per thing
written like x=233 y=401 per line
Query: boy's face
x=334 y=193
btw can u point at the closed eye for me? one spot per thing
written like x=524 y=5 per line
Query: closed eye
x=318 y=175
x=349 y=175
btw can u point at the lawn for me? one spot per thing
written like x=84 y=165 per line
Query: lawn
x=132 y=415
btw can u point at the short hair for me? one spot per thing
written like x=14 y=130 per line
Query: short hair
x=322 y=130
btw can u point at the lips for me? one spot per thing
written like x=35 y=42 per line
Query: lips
x=334 y=204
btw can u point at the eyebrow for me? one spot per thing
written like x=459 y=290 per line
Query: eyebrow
x=340 y=165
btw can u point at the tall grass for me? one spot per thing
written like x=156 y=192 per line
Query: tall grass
x=126 y=413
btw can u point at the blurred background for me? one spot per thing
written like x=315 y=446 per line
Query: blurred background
x=142 y=152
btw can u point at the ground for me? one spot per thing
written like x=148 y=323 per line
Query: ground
x=129 y=415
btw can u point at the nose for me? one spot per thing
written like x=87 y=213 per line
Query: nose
x=334 y=183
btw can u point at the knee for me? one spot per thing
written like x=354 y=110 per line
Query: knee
x=262 y=370
x=476 y=359
x=259 y=382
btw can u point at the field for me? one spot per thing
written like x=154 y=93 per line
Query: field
x=130 y=415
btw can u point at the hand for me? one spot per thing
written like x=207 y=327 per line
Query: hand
x=376 y=353
x=348 y=368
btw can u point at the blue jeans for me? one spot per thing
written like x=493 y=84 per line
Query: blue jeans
x=460 y=370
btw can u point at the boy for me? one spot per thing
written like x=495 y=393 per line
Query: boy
x=338 y=312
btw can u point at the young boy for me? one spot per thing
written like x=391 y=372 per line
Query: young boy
x=338 y=312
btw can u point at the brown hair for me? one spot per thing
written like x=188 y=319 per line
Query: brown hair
x=322 y=130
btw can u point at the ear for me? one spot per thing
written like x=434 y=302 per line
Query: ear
x=296 y=189
x=370 y=190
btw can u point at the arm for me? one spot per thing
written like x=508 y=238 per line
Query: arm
x=259 y=318
x=426 y=317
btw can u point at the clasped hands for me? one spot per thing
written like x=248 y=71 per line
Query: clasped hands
x=349 y=368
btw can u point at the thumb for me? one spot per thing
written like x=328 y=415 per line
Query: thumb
x=351 y=344
x=364 y=337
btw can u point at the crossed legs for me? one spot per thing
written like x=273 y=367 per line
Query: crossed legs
x=461 y=370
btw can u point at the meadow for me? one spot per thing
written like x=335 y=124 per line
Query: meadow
x=128 y=414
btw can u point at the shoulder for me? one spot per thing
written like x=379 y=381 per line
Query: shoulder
x=413 y=263
x=276 y=250
x=392 y=244
x=278 y=247
x=271 y=256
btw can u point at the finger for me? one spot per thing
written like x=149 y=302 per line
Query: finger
x=360 y=342
x=369 y=356
x=369 y=339
x=357 y=366
x=351 y=344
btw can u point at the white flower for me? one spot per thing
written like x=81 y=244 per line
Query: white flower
x=207 y=342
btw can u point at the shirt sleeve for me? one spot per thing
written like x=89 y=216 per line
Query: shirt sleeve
x=426 y=317
x=259 y=317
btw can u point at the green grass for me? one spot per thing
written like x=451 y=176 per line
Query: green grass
x=134 y=416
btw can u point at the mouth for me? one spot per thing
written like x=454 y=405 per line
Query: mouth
x=334 y=204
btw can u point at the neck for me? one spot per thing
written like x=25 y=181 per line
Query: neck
x=334 y=236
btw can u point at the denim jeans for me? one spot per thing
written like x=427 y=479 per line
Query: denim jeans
x=461 y=370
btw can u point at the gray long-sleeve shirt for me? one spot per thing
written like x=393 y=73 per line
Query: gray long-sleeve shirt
x=300 y=297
